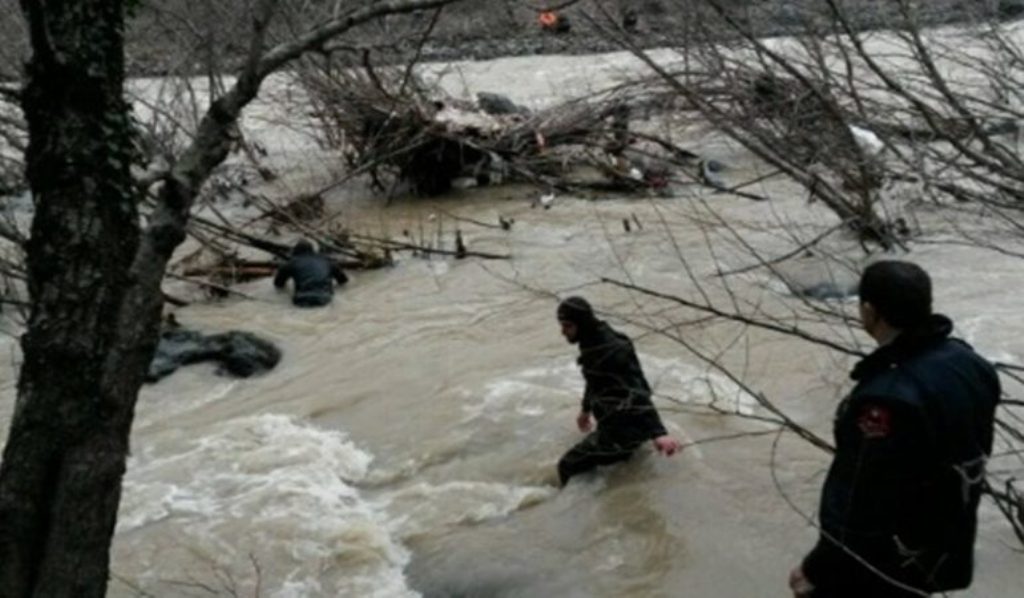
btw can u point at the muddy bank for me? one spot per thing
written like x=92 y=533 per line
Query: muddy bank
x=669 y=23
x=488 y=29
x=173 y=36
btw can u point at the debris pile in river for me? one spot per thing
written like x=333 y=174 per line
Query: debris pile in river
x=402 y=132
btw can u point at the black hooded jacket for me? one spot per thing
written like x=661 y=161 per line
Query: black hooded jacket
x=617 y=394
x=312 y=274
x=903 y=488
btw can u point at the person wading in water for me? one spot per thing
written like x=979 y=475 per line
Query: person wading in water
x=617 y=396
x=312 y=273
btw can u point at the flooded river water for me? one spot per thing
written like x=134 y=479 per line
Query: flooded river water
x=405 y=445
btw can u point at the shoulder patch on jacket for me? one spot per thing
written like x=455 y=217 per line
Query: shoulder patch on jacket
x=875 y=421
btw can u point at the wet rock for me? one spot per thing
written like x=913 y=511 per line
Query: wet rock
x=827 y=290
x=497 y=104
x=711 y=174
x=1010 y=9
x=819 y=278
x=241 y=354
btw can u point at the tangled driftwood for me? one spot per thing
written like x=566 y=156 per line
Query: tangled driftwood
x=397 y=129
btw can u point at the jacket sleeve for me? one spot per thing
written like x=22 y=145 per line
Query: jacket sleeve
x=615 y=378
x=642 y=395
x=590 y=386
x=600 y=369
x=283 y=274
x=652 y=422
x=585 y=405
x=829 y=560
x=874 y=491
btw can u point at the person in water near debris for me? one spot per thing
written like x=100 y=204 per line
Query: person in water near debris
x=312 y=274
x=898 y=510
x=617 y=396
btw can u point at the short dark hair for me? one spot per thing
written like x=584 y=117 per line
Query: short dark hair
x=302 y=248
x=900 y=292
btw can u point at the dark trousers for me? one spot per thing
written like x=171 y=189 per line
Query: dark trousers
x=887 y=593
x=879 y=589
x=591 y=452
x=311 y=299
x=850 y=578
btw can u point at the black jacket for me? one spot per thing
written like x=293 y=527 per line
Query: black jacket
x=911 y=442
x=312 y=274
x=617 y=394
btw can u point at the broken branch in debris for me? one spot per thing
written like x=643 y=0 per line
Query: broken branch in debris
x=218 y=288
x=394 y=126
x=788 y=255
x=503 y=223
x=393 y=245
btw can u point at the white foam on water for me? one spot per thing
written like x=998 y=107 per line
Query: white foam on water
x=539 y=391
x=451 y=447
x=613 y=562
x=439 y=268
x=533 y=392
x=274 y=488
x=196 y=392
x=990 y=336
x=423 y=507
x=529 y=393
x=677 y=380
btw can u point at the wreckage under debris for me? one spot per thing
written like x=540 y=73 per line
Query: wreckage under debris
x=404 y=134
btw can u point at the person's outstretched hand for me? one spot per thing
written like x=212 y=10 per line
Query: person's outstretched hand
x=666 y=445
x=583 y=421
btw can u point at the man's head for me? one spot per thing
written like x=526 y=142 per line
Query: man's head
x=575 y=315
x=303 y=247
x=894 y=296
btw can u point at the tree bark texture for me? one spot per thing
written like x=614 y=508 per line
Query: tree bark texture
x=62 y=466
x=94 y=279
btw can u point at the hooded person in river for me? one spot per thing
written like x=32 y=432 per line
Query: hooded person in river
x=617 y=396
x=312 y=274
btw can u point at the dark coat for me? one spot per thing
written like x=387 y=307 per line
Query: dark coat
x=902 y=492
x=312 y=274
x=617 y=393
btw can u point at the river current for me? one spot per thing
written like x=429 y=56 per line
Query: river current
x=405 y=444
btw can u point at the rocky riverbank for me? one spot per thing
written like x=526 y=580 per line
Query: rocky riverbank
x=176 y=35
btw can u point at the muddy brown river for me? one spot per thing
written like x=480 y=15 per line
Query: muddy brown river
x=405 y=445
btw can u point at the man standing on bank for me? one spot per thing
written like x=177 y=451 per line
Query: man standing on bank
x=899 y=507
x=617 y=395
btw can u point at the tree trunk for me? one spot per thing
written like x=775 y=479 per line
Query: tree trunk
x=61 y=473
x=94 y=280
